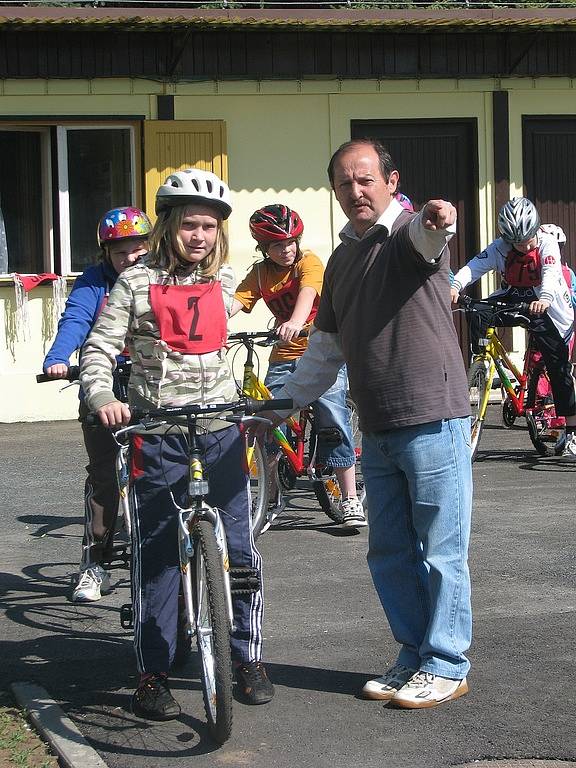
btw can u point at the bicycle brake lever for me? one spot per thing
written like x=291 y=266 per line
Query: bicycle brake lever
x=245 y=419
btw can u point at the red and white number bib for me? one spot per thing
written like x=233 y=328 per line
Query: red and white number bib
x=523 y=270
x=191 y=318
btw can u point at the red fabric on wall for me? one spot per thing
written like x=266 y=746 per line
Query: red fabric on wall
x=32 y=281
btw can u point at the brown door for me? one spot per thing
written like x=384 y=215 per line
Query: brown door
x=549 y=149
x=436 y=159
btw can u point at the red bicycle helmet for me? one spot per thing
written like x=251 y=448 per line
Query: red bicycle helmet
x=274 y=223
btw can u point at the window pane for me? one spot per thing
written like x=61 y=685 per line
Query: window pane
x=21 y=197
x=99 y=178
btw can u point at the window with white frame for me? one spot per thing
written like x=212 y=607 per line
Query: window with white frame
x=56 y=183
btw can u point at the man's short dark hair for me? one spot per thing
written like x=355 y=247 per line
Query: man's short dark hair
x=385 y=160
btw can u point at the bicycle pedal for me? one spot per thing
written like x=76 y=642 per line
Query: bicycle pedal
x=244 y=581
x=118 y=555
x=126 y=616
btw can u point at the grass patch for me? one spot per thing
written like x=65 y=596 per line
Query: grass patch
x=20 y=745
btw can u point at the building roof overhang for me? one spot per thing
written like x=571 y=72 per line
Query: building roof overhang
x=147 y=18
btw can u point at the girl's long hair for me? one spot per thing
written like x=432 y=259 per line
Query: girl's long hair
x=167 y=250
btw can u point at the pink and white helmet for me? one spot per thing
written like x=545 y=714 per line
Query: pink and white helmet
x=555 y=231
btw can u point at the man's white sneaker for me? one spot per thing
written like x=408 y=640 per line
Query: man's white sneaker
x=383 y=688
x=353 y=515
x=93 y=582
x=427 y=690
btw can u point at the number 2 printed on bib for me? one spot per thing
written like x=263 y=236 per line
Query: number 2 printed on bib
x=191 y=318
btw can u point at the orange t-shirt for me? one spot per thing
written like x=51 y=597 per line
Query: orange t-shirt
x=266 y=279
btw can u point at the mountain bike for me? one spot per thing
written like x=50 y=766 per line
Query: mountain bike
x=207 y=580
x=298 y=447
x=530 y=396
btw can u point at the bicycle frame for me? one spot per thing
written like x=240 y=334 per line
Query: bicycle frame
x=499 y=360
x=253 y=387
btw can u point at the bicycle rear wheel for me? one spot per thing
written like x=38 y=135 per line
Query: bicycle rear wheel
x=212 y=631
x=327 y=489
x=477 y=381
x=547 y=439
x=259 y=487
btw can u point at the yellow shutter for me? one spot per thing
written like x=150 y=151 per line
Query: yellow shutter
x=172 y=145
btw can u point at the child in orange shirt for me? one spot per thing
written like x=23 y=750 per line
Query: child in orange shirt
x=289 y=280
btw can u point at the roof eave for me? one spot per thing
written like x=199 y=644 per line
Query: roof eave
x=425 y=20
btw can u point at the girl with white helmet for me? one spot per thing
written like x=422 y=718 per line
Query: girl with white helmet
x=528 y=260
x=172 y=309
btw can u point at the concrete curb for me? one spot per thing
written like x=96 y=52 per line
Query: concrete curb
x=533 y=763
x=57 y=729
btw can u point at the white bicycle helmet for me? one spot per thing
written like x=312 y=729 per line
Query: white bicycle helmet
x=555 y=231
x=194 y=186
x=518 y=220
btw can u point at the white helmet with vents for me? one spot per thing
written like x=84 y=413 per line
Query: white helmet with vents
x=556 y=232
x=194 y=186
x=518 y=220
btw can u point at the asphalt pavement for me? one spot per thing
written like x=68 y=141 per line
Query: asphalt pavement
x=325 y=634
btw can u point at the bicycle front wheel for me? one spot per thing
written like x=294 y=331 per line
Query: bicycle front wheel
x=477 y=382
x=212 y=631
x=327 y=489
x=259 y=487
x=547 y=439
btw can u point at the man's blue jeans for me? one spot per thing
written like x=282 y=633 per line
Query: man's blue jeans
x=419 y=493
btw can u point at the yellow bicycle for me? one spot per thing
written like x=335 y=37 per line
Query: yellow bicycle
x=530 y=397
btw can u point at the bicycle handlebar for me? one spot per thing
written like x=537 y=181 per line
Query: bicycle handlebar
x=73 y=374
x=267 y=338
x=174 y=413
x=469 y=303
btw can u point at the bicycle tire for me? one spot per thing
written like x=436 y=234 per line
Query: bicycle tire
x=259 y=488
x=508 y=413
x=545 y=444
x=286 y=476
x=212 y=631
x=327 y=489
x=477 y=380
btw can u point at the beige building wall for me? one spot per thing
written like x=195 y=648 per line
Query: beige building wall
x=280 y=136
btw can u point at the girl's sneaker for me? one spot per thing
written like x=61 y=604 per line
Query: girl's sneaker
x=254 y=682
x=353 y=515
x=569 y=451
x=153 y=700
x=93 y=582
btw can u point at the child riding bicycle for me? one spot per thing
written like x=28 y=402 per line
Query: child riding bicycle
x=172 y=308
x=123 y=239
x=289 y=280
x=528 y=260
